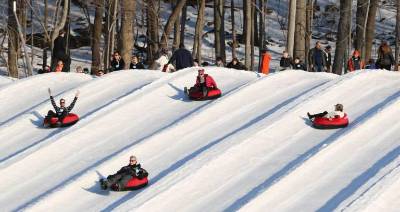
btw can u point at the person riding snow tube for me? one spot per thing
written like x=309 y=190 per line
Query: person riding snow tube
x=130 y=177
x=62 y=117
x=205 y=87
x=332 y=120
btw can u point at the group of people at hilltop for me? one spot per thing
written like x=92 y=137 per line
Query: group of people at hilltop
x=320 y=60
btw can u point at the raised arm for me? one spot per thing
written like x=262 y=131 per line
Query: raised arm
x=71 y=106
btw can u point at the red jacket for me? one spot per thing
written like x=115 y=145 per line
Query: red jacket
x=210 y=83
x=355 y=62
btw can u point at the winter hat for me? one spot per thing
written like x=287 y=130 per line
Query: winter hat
x=201 y=71
x=133 y=158
x=339 y=107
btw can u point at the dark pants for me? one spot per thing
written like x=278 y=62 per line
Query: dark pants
x=119 y=179
x=317 y=115
x=318 y=68
x=203 y=88
x=52 y=114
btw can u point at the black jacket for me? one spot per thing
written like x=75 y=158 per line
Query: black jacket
x=136 y=66
x=133 y=170
x=238 y=66
x=300 y=66
x=59 y=48
x=285 y=62
x=63 y=111
x=183 y=59
x=117 y=65
x=316 y=57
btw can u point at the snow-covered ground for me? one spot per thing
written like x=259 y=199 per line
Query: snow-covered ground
x=253 y=149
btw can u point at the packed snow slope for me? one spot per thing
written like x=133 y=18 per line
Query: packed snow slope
x=252 y=149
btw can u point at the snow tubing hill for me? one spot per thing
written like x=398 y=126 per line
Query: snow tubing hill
x=198 y=95
x=69 y=120
x=333 y=123
x=133 y=184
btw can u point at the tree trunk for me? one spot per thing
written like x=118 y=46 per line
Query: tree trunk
x=110 y=32
x=343 y=36
x=234 y=42
x=261 y=31
x=309 y=17
x=170 y=23
x=97 y=29
x=219 y=28
x=291 y=27
x=127 y=20
x=370 y=29
x=12 y=42
x=199 y=31
x=45 y=42
x=247 y=33
x=361 y=21
x=152 y=30
x=397 y=50
x=253 y=11
x=183 y=24
x=300 y=30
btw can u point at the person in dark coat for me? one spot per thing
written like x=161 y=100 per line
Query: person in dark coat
x=385 y=57
x=182 y=58
x=60 y=53
x=299 y=65
x=62 y=111
x=117 y=63
x=135 y=64
x=328 y=58
x=235 y=64
x=286 y=61
x=132 y=170
x=316 y=58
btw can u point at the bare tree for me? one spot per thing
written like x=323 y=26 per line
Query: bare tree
x=170 y=23
x=177 y=28
x=152 y=30
x=343 y=36
x=234 y=42
x=199 y=31
x=300 y=29
x=370 y=29
x=127 y=19
x=361 y=21
x=309 y=23
x=12 y=42
x=183 y=23
x=111 y=14
x=60 y=24
x=97 y=29
x=247 y=32
x=291 y=27
x=397 y=50
x=219 y=28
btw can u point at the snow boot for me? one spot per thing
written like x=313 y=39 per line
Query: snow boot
x=186 y=90
x=103 y=184
x=309 y=115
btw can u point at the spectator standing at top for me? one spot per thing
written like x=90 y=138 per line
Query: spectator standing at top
x=316 y=58
x=299 y=65
x=355 y=62
x=219 y=62
x=59 y=66
x=59 y=52
x=135 y=64
x=117 y=62
x=328 y=58
x=162 y=62
x=385 y=57
x=265 y=60
x=235 y=64
x=286 y=61
x=182 y=58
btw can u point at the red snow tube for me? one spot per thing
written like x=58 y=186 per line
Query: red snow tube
x=333 y=123
x=69 y=120
x=198 y=95
x=133 y=184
